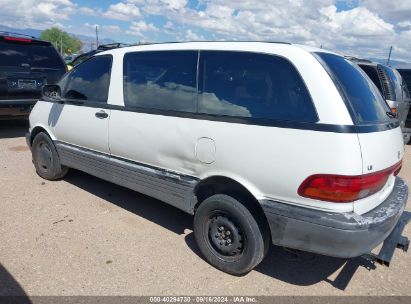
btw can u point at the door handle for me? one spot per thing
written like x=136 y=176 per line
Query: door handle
x=101 y=114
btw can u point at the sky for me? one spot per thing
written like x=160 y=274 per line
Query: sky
x=362 y=28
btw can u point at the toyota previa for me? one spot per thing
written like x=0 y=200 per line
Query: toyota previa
x=263 y=143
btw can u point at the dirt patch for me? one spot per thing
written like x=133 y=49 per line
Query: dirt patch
x=19 y=148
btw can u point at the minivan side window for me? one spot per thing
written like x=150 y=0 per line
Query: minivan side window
x=252 y=85
x=89 y=81
x=163 y=80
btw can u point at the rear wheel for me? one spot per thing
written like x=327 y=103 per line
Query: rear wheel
x=46 y=159
x=228 y=235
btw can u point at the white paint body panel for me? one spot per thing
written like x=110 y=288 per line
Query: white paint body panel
x=380 y=150
x=78 y=125
x=270 y=162
x=41 y=116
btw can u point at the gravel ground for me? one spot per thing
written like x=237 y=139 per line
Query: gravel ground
x=84 y=236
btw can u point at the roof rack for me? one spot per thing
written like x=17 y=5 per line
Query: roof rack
x=188 y=41
x=110 y=46
x=352 y=58
x=16 y=34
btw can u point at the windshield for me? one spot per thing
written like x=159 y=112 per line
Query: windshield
x=360 y=93
x=35 y=55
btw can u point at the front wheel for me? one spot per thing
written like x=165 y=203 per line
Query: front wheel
x=228 y=235
x=46 y=159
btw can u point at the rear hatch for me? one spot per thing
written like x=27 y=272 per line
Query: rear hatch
x=378 y=130
x=25 y=66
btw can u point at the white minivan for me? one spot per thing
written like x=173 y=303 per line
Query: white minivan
x=262 y=142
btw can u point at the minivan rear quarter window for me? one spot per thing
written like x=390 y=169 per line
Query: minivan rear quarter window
x=360 y=93
x=252 y=85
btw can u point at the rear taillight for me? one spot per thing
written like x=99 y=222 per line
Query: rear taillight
x=17 y=39
x=345 y=188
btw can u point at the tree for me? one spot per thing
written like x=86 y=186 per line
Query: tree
x=62 y=40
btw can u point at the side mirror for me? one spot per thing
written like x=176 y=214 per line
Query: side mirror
x=52 y=92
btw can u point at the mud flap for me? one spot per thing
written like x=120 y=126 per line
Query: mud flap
x=393 y=241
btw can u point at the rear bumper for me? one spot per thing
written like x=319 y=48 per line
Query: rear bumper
x=16 y=108
x=343 y=235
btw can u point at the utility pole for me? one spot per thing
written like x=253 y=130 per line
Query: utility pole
x=61 y=44
x=96 y=36
x=389 y=56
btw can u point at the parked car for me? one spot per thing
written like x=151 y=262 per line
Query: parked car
x=69 y=58
x=393 y=88
x=406 y=75
x=261 y=142
x=101 y=48
x=26 y=64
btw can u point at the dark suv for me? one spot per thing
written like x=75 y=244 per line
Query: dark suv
x=392 y=87
x=26 y=64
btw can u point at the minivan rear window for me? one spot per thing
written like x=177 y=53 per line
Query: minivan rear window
x=36 y=55
x=361 y=95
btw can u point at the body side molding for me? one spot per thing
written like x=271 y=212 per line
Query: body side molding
x=169 y=187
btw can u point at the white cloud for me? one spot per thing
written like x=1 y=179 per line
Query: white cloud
x=122 y=11
x=360 y=31
x=359 y=22
x=159 y=6
x=87 y=11
x=111 y=28
x=35 y=14
x=391 y=10
x=168 y=25
x=192 y=36
x=141 y=27
x=105 y=28
x=366 y=30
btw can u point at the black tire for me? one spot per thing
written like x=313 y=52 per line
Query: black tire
x=228 y=235
x=46 y=159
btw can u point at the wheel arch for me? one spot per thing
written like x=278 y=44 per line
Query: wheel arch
x=226 y=185
x=41 y=128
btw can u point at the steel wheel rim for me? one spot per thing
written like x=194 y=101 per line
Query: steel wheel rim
x=44 y=156
x=225 y=236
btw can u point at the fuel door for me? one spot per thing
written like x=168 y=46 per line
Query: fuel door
x=205 y=150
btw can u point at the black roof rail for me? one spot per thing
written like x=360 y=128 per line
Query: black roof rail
x=110 y=46
x=16 y=34
x=352 y=58
x=188 y=41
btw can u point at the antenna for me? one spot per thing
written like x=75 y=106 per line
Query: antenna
x=389 y=56
x=96 y=36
